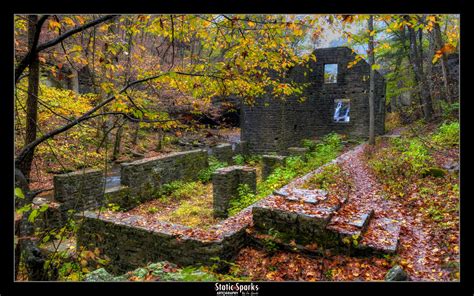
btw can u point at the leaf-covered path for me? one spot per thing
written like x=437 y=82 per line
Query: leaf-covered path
x=418 y=254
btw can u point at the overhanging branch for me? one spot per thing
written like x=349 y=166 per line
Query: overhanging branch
x=25 y=61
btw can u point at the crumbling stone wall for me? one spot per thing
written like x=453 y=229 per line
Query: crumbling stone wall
x=79 y=190
x=273 y=125
x=129 y=246
x=304 y=228
x=225 y=182
x=163 y=169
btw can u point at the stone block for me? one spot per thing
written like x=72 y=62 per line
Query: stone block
x=225 y=182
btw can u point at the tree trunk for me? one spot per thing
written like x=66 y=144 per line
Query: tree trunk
x=430 y=74
x=372 y=83
x=135 y=133
x=444 y=61
x=117 y=143
x=32 y=101
x=159 y=144
x=417 y=64
x=74 y=81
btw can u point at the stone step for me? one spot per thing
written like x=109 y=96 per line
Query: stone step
x=382 y=235
x=306 y=195
x=350 y=220
x=304 y=222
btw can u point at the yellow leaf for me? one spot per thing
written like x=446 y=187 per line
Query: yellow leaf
x=251 y=24
x=69 y=21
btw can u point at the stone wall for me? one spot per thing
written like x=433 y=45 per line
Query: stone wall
x=129 y=246
x=225 y=182
x=273 y=125
x=304 y=228
x=156 y=171
x=223 y=153
x=79 y=190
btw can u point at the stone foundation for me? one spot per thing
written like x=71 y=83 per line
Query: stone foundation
x=129 y=245
x=142 y=178
x=303 y=228
x=163 y=169
x=225 y=183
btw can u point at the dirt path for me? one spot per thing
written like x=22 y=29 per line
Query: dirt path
x=415 y=244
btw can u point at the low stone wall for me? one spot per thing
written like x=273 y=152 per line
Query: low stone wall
x=129 y=245
x=271 y=162
x=225 y=182
x=156 y=171
x=304 y=228
x=223 y=153
x=79 y=190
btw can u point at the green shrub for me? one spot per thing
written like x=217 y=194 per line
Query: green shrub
x=310 y=144
x=253 y=160
x=325 y=178
x=205 y=175
x=188 y=190
x=239 y=159
x=168 y=188
x=447 y=134
x=449 y=110
x=244 y=199
x=406 y=158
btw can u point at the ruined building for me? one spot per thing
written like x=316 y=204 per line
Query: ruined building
x=337 y=100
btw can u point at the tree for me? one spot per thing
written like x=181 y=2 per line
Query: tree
x=32 y=103
x=416 y=58
x=31 y=60
x=371 y=55
x=236 y=55
x=440 y=49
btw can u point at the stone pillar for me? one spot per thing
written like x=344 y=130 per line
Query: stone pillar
x=225 y=182
x=271 y=162
x=298 y=151
x=223 y=152
x=79 y=190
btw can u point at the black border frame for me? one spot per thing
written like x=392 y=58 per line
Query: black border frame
x=9 y=287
